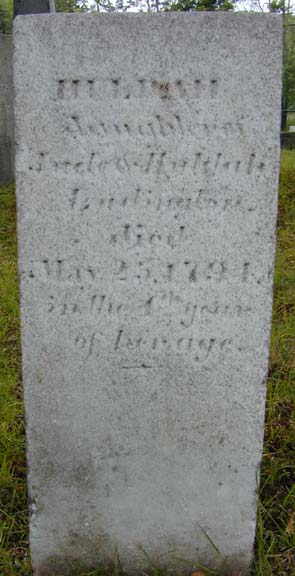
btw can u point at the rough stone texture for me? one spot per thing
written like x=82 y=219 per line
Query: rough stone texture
x=147 y=172
x=31 y=6
x=6 y=110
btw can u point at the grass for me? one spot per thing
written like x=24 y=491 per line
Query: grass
x=275 y=541
x=13 y=497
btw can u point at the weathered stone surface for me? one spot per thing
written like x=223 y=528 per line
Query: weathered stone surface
x=147 y=173
x=6 y=110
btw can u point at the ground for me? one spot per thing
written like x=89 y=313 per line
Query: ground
x=275 y=538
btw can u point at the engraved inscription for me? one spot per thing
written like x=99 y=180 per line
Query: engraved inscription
x=199 y=349
x=225 y=199
x=155 y=165
x=164 y=163
x=155 y=128
x=117 y=87
x=185 y=271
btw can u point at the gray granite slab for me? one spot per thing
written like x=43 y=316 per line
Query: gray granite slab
x=147 y=170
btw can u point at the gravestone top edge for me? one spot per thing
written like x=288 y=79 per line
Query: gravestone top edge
x=154 y=15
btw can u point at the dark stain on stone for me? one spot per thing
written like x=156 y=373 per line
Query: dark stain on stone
x=163 y=89
x=79 y=553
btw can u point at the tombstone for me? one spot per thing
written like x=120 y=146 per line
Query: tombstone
x=6 y=110
x=147 y=196
x=291 y=128
x=6 y=89
x=32 y=6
